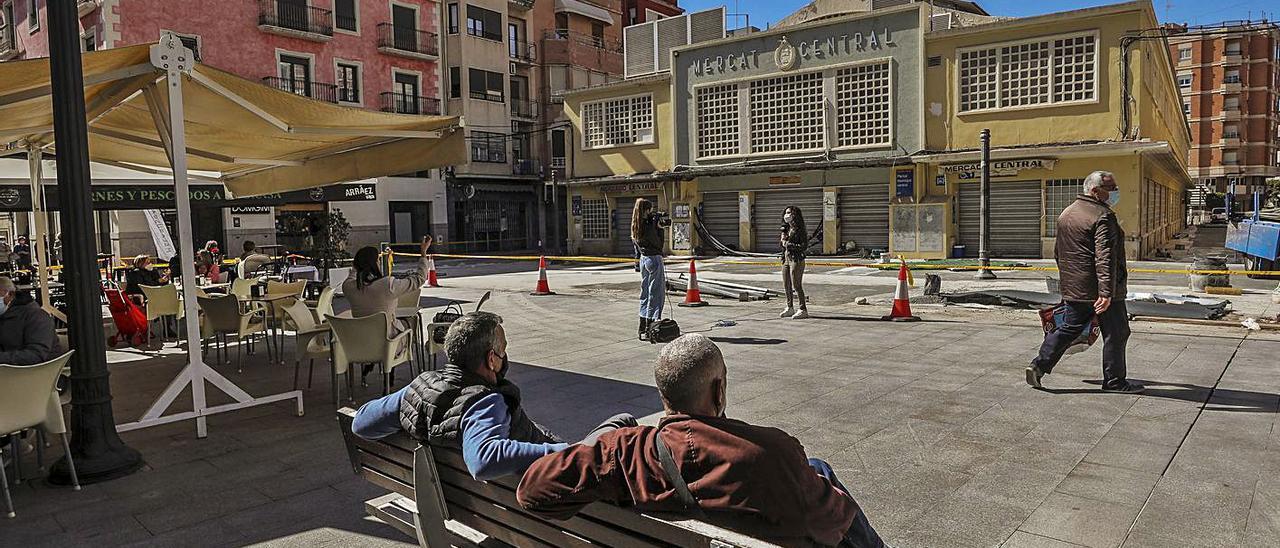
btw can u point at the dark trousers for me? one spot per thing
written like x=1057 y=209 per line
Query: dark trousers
x=1114 y=323
x=860 y=533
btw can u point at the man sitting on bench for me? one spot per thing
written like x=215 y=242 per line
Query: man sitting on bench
x=752 y=479
x=470 y=404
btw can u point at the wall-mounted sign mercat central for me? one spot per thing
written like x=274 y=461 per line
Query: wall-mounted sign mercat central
x=788 y=55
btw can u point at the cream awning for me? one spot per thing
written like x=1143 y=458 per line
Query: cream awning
x=259 y=140
x=584 y=9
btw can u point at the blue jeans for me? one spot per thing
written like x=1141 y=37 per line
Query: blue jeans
x=1114 y=324
x=860 y=533
x=653 y=286
x=379 y=418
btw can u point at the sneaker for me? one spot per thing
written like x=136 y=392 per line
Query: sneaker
x=802 y=314
x=1033 y=376
x=1125 y=387
x=787 y=313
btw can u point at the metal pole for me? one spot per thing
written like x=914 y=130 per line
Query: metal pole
x=35 y=163
x=984 y=251
x=99 y=452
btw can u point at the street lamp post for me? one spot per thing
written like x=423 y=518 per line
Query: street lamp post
x=99 y=452
x=984 y=249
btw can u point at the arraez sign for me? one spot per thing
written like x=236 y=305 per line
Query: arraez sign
x=789 y=55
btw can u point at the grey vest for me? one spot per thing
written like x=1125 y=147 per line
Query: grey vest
x=432 y=407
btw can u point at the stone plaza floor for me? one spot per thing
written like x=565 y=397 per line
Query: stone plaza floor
x=930 y=425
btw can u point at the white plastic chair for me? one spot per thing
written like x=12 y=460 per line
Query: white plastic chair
x=310 y=340
x=162 y=302
x=324 y=305
x=29 y=399
x=223 y=317
x=365 y=340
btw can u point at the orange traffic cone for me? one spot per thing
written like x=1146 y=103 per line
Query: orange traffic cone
x=902 y=300
x=431 y=272
x=692 y=296
x=543 y=288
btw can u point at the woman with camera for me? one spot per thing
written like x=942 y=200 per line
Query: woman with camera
x=795 y=243
x=646 y=233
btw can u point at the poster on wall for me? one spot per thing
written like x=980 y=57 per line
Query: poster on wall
x=906 y=183
x=680 y=211
x=744 y=208
x=681 y=238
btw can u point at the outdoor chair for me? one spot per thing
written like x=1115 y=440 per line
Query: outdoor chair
x=324 y=305
x=29 y=399
x=365 y=340
x=433 y=348
x=224 y=317
x=310 y=340
x=278 y=306
x=162 y=302
x=408 y=310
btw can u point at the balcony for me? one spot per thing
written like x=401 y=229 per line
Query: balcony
x=483 y=33
x=295 y=19
x=85 y=7
x=8 y=47
x=524 y=108
x=526 y=166
x=522 y=52
x=401 y=103
x=315 y=90
x=1230 y=85
x=566 y=47
x=408 y=42
x=1230 y=141
x=521 y=4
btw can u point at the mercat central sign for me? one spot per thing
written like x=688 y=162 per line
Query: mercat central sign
x=788 y=56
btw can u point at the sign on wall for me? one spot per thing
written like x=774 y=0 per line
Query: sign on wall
x=681 y=236
x=133 y=197
x=999 y=168
x=622 y=188
x=744 y=207
x=829 y=200
x=905 y=180
x=576 y=206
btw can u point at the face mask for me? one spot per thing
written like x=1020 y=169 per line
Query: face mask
x=149 y=268
x=502 y=373
x=3 y=306
x=1113 y=198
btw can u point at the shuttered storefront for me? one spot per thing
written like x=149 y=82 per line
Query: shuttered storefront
x=767 y=214
x=720 y=216
x=864 y=215
x=1016 y=212
x=622 y=224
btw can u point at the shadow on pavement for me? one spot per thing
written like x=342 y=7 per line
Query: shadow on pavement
x=1219 y=399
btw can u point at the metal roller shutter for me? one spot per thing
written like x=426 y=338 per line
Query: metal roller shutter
x=1016 y=212
x=720 y=216
x=767 y=219
x=864 y=215
x=622 y=225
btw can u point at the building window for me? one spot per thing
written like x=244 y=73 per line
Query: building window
x=1229 y=157
x=558 y=148
x=345 y=15
x=1232 y=77
x=1034 y=72
x=1231 y=103
x=1186 y=109
x=595 y=219
x=33 y=15
x=89 y=41
x=405 y=84
x=597 y=34
x=486 y=85
x=615 y=122
x=8 y=26
x=717 y=108
x=1184 y=53
x=1231 y=132
x=1233 y=47
x=295 y=74
x=1058 y=194
x=484 y=23
x=348 y=83
x=453 y=19
x=864 y=106
x=1184 y=80
x=787 y=113
x=488 y=147
x=455 y=82
x=562 y=24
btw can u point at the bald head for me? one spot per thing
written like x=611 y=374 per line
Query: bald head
x=691 y=376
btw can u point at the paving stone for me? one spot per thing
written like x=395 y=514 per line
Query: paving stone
x=1023 y=539
x=1109 y=483
x=1082 y=521
x=1115 y=450
x=1200 y=513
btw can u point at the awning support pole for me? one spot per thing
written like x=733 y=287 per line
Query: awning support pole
x=35 y=157
x=169 y=55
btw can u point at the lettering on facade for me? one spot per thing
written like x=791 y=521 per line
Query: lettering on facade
x=784 y=180
x=788 y=56
x=359 y=192
x=621 y=188
x=999 y=168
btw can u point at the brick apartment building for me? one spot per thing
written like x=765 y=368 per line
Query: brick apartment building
x=372 y=54
x=1229 y=79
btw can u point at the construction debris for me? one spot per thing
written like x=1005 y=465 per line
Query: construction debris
x=1165 y=306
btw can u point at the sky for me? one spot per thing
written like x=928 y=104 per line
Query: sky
x=1195 y=12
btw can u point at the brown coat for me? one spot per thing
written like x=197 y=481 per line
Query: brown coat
x=752 y=479
x=1090 y=252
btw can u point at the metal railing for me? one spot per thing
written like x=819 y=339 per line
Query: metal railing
x=407 y=39
x=7 y=43
x=522 y=51
x=524 y=108
x=401 y=103
x=484 y=95
x=305 y=88
x=525 y=166
x=486 y=34
x=583 y=39
x=296 y=16
x=346 y=22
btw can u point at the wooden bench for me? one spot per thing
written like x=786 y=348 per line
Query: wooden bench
x=430 y=486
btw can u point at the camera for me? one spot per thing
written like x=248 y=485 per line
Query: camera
x=662 y=218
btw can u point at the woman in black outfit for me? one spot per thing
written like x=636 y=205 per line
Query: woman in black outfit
x=795 y=243
x=646 y=234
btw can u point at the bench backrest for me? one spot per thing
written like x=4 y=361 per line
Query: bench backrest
x=437 y=480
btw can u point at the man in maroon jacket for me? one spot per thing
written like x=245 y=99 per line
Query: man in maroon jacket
x=753 y=479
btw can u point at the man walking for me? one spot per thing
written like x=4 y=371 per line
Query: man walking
x=1091 y=264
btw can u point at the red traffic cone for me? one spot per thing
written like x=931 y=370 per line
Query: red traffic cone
x=431 y=272
x=901 y=300
x=543 y=288
x=692 y=296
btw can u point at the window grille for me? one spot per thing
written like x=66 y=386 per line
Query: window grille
x=717 y=108
x=787 y=113
x=1028 y=73
x=864 y=105
x=624 y=121
x=1024 y=74
x=1058 y=194
x=978 y=79
x=1074 y=68
x=595 y=219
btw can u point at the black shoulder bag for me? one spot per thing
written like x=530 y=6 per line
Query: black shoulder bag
x=673 y=475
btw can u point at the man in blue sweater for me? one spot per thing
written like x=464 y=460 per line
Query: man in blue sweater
x=470 y=404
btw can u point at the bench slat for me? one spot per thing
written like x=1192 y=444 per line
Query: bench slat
x=388 y=483
x=383 y=451
x=463 y=503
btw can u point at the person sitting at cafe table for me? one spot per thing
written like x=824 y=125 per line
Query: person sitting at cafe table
x=26 y=330
x=142 y=273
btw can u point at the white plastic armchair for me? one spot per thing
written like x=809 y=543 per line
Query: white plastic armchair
x=365 y=340
x=29 y=399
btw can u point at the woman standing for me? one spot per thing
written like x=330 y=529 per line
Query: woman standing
x=795 y=242
x=646 y=234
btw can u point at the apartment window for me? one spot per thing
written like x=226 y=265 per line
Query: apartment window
x=557 y=148
x=1186 y=109
x=1184 y=53
x=455 y=82
x=488 y=147
x=597 y=33
x=295 y=74
x=595 y=219
x=1232 y=76
x=1058 y=194
x=864 y=106
x=562 y=24
x=406 y=86
x=1233 y=47
x=615 y=122
x=453 y=19
x=1229 y=157
x=717 y=108
x=345 y=15
x=7 y=24
x=33 y=15
x=1184 y=80
x=486 y=85
x=1231 y=103
x=787 y=113
x=89 y=41
x=348 y=82
x=484 y=23
x=1231 y=131
x=1034 y=72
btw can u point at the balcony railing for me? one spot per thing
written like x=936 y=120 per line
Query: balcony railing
x=401 y=103
x=305 y=88
x=525 y=166
x=486 y=96
x=483 y=33
x=8 y=47
x=408 y=40
x=583 y=39
x=296 y=17
x=522 y=51
x=526 y=4
x=524 y=108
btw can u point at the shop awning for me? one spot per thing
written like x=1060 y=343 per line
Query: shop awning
x=584 y=9
x=257 y=139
